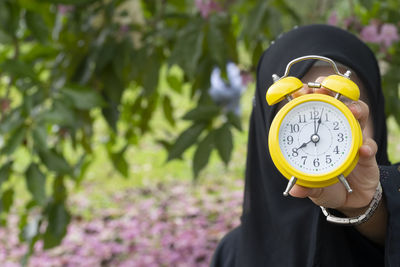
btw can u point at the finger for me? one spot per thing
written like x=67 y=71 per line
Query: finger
x=302 y=192
x=367 y=152
x=308 y=90
x=303 y=91
x=322 y=90
x=360 y=111
x=330 y=197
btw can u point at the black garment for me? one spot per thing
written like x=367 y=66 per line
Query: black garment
x=286 y=231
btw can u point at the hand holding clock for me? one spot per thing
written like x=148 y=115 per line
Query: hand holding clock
x=363 y=179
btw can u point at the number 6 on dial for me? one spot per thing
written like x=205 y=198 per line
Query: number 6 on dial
x=314 y=139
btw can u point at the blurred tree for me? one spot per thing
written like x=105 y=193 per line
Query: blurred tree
x=376 y=23
x=63 y=60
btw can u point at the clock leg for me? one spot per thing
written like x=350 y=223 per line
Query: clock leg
x=289 y=186
x=345 y=183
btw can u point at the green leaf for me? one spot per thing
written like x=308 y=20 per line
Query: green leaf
x=57 y=228
x=231 y=41
x=54 y=161
x=224 y=143
x=202 y=113
x=59 y=193
x=11 y=121
x=36 y=183
x=254 y=21
x=5 y=172
x=36 y=6
x=257 y=52
x=106 y=54
x=147 y=112
x=175 y=83
x=178 y=4
x=185 y=140
x=123 y=58
x=5 y=13
x=18 y=68
x=60 y=114
x=39 y=135
x=5 y=38
x=81 y=168
x=168 y=110
x=235 y=121
x=164 y=143
x=83 y=98
x=14 y=140
x=189 y=47
x=120 y=162
x=37 y=26
x=7 y=199
x=112 y=93
x=216 y=43
x=286 y=10
x=202 y=79
x=10 y=16
x=150 y=74
x=202 y=154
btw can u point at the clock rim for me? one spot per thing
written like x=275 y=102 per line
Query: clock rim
x=308 y=179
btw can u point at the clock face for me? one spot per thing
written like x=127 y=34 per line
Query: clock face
x=315 y=137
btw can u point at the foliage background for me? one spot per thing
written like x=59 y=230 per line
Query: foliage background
x=84 y=83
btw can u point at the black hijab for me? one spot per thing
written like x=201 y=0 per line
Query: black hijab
x=285 y=231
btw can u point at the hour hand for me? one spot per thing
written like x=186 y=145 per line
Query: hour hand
x=303 y=145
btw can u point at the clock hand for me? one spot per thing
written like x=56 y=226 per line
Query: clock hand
x=315 y=124
x=319 y=121
x=303 y=145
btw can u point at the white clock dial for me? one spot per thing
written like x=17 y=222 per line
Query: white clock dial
x=315 y=137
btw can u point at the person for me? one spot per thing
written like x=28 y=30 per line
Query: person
x=292 y=231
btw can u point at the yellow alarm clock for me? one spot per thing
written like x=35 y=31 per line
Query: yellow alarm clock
x=314 y=139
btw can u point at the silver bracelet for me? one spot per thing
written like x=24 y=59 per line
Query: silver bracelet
x=360 y=218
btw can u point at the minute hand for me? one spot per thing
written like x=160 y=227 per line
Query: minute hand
x=319 y=121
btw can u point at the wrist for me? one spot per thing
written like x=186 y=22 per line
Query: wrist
x=363 y=205
x=353 y=212
x=358 y=218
